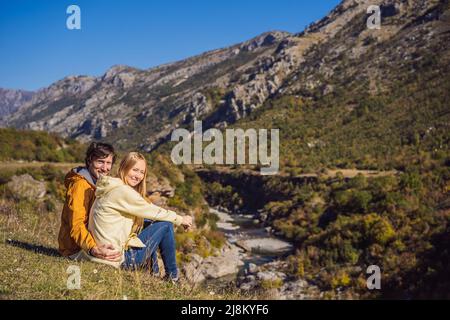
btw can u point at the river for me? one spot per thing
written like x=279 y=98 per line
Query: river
x=256 y=244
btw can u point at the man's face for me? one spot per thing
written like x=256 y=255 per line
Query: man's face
x=100 y=167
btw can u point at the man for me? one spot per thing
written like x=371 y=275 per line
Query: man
x=74 y=236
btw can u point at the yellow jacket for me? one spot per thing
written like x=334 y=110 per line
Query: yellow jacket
x=112 y=215
x=73 y=233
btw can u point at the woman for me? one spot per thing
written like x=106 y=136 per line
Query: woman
x=117 y=217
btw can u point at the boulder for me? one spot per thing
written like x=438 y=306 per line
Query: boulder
x=299 y=290
x=25 y=186
x=191 y=269
x=270 y=275
x=199 y=269
x=252 y=268
x=160 y=186
x=226 y=264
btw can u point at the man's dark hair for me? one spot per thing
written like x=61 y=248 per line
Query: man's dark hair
x=98 y=150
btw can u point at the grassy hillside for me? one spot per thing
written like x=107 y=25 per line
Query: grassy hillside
x=31 y=268
x=38 y=146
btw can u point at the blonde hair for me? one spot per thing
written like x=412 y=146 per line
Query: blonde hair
x=125 y=166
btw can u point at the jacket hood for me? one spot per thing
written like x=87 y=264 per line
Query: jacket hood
x=105 y=184
x=77 y=174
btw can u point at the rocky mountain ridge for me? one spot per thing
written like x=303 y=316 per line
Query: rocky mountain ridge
x=140 y=108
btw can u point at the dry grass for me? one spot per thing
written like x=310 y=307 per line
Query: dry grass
x=13 y=165
x=30 y=267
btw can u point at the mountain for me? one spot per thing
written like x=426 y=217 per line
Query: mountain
x=140 y=108
x=366 y=98
x=152 y=102
x=11 y=100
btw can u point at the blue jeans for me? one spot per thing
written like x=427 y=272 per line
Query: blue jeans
x=157 y=235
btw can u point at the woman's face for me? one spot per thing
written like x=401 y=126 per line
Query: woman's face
x=136 y=173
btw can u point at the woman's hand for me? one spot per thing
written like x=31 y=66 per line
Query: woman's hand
x=187 y=222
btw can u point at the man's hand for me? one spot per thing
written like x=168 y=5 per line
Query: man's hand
x=187 y=222
x=106 y=252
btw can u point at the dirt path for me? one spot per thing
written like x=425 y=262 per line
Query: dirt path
x=35 y=164
x=351 y=173
x=347 y=173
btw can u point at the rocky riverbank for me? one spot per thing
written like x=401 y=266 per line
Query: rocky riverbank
x=251 y=260
x=270 y=277
x=227 y=262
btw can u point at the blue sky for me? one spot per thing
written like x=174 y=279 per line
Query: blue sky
x=37 y=49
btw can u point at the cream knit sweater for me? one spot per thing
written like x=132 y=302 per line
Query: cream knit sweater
x=112 y=215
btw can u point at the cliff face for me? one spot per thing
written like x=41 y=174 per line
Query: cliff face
x=149 y=102
x=11 y=100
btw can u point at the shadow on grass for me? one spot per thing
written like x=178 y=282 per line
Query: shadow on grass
x=52 y=252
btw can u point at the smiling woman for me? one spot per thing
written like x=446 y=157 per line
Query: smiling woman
x=118 y=214
x=133 y=171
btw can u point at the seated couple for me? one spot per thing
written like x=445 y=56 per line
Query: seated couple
x=103 y=217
